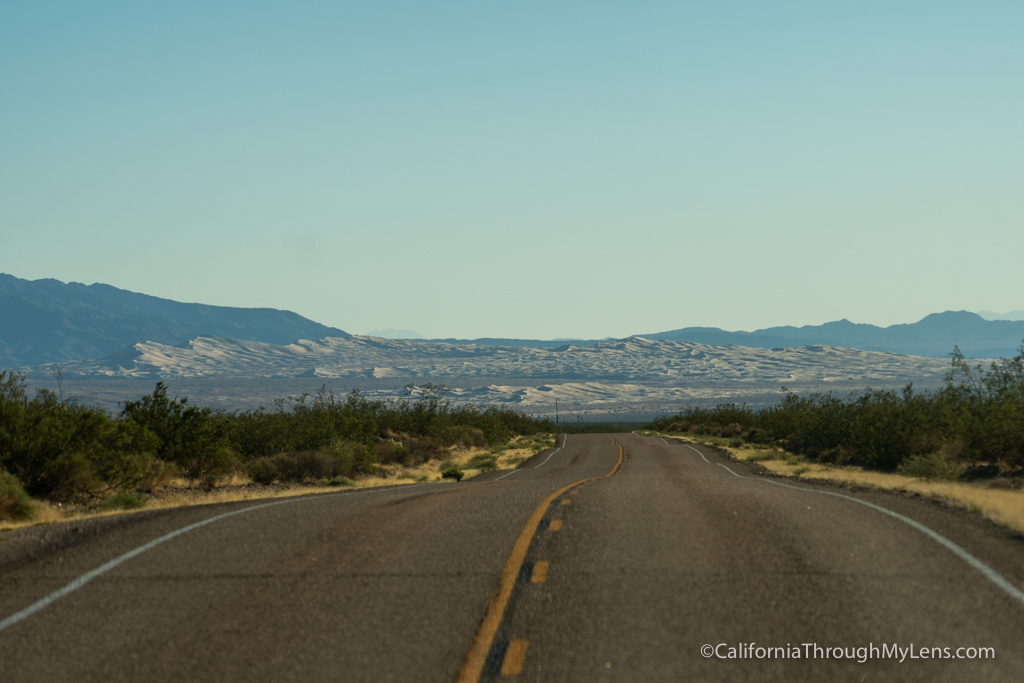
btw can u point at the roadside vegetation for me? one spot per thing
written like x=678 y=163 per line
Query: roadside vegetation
x=76 y=456
x=971 y=428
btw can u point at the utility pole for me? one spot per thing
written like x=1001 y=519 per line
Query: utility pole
x=556 y=411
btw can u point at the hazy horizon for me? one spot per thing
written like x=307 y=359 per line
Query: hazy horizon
x=527 y=170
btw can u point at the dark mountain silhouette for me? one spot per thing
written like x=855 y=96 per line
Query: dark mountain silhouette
x=934 y=335
x=45 y=321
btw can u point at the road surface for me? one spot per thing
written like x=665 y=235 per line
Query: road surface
x=614 y=558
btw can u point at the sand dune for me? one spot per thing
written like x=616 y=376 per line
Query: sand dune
x=627 y=375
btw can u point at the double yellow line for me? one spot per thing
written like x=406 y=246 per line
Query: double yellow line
x=473 y=665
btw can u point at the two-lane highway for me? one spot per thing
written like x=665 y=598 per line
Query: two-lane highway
x=615 y=557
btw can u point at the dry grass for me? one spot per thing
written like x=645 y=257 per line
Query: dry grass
x=182 y=493
x=1002 y=506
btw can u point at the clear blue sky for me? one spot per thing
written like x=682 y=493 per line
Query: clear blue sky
x=529 y=169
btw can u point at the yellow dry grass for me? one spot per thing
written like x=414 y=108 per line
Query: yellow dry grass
x=181 y=493
x=1002 y=506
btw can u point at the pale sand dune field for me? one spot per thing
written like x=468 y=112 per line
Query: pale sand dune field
x=630 y=377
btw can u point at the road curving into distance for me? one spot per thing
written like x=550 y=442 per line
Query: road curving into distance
x=614 y=557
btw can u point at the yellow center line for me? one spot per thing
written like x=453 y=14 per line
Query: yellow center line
x=566 y=501
x=512 y=665
x=473 y=665
x=540 y=571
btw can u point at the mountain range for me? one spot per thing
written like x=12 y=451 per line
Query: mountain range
x=48 y=321
x=934 y=335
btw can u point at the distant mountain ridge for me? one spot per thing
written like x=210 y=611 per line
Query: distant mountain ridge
x=933 y=336
x=48 y=321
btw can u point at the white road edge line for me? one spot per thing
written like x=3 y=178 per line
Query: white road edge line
x=733 y=473
x=104 y=568
x=987 y=571
x=507 y=474
x=564 y=439
x=120 y=559
x=702 y=455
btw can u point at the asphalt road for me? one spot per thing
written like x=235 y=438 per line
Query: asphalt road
x=615 y=558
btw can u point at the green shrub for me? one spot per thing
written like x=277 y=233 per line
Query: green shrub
x=67 y=452
x=427 y=449
x=736 y=443
x=314 y=465
x=764 y=455
x=287 y=466
x=485 y=462
x=338 y=481
x=262 y=470
x=194 y=438
x=840 y=455
x=733 y=429
x=14 y=502
x=389 y=452
x=941 y=464
x=473 y=438
x=450 y=470
x=123 y=501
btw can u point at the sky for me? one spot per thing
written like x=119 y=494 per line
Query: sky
x=521 y=169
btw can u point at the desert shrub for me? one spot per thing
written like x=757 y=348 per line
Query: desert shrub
x=424 y=450
x=312 y=423
x=338 y=481
x=124 y=501
x=764 y=455
x=317 y=465
x=14 y=502
x=340 y=459
x=712 y=429
x=473 y=438
x=941 y=464
x=262 y=470
x=485 y=462
x=731 y=430
x=66 y=451
x=756 y=435
x=736 y=443
x=69 y=452
x=988 y=408
x=840 y=455
x=982 y=409
x=287 y=466
x=194 y=438
x=391 y=452
x=351 y=458
x=450 y=470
